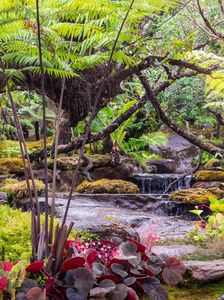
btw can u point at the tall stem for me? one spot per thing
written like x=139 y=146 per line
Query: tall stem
x=93 y=114
x=44 y=132
x=55 y=164
x=21 y=139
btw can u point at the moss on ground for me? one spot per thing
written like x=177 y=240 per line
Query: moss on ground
x=197 y=291
x=18 y=190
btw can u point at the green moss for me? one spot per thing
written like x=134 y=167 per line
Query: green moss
x=210 y=176
x=106 y=186
x=11 y=166
x=18 y=190
x=196 y=196
x=196 y=291
x=209 y=164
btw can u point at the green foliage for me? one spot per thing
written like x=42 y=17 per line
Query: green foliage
x=73 y=34
x=15 y=233
x=205 y=157
x=184 y=100
x=142 y=156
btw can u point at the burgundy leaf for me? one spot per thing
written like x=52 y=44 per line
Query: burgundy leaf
x=72 y=294
x=119 y=293
x=114 y=278
x=98 y=269
x=139 y=287
x=105 y=287
x=119 y=270
x=92 y=257
x=141 y=248
x=148 y=271
x=7 y=266
x=35 y=267
x=114 y=261
x=3 y=284
x=174 y=270
x=73 y=263
x=132 y=294
x=84 y=280
x=117 y=241
x=128 y=248
x=150 y=284
x=49 y=285
x=160 y=293
x=129 y=281
x=109 y=243
x=35 y=294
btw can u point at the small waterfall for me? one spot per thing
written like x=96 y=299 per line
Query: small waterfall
x=158 y=183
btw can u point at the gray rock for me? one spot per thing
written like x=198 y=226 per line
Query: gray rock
x=174 y=250
x=3 y=197
x=208 y=185
x=179 y=149
x=205 y=270
x=124 y=172
x=40 y=174
x=163 y=165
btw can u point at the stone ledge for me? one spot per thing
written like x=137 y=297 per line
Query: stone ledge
x=205 y=270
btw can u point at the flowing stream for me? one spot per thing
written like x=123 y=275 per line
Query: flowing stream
x=100 y=211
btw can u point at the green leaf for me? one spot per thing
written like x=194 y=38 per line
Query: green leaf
x=213 y=200
x=197 y=212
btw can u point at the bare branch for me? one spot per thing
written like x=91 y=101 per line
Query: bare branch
x=221 y=8
x=207 y=23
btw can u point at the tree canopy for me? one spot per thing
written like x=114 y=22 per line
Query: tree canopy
x=161 y=42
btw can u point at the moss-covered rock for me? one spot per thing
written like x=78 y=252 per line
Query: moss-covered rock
x=18 y=190
x=66 y=163
x=210 y=176
x=196 y=196
x=106 y=186
x=99 y=160
x=12 y=166
x=210 y=163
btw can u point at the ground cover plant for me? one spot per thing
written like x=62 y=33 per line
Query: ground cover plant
x=94 y=270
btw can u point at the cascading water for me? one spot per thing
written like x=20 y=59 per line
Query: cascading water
x=158 y=183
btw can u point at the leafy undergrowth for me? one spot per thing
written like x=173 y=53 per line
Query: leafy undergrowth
x=15 y=233
x=113 y=270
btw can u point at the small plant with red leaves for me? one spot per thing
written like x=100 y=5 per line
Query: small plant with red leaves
x=108 y=270
x=11 y=277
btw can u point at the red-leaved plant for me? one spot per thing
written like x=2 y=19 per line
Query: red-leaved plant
x=113 y=270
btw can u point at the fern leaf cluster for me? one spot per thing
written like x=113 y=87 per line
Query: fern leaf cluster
x=75 y=34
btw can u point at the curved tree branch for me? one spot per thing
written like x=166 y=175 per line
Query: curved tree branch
x=173 y=125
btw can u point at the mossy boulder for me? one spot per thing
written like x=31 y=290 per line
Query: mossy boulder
x=210 y=163
x=106 y=186
x=99 y=160
x=18 y=190
x=12 y=166
x=66 y=163
x=196 y=196
x=210 y=176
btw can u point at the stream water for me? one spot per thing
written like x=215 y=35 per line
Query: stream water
x=158 y=183
x=97 y=212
